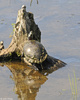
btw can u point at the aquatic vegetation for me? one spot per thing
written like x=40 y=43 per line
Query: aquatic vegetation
x=73 y=84
x=32 y=1
x=1 y=21
x=13 y=25
x=18 y=53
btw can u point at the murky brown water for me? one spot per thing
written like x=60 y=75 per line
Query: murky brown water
x=59 y=22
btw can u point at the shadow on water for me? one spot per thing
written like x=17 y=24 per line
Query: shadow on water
x=27 y=80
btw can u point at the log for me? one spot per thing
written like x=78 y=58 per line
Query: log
x=24 y=25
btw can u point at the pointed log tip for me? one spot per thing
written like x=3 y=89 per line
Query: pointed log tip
x=23 y=7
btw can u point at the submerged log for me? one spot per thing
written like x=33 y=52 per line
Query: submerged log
x=24 y=25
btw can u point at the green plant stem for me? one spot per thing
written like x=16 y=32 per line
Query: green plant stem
x=31 y=2
x=73 y=91
x=75 y=81
x=70 y=83
x=73 y=84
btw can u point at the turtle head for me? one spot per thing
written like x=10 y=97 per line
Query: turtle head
x=30 y=36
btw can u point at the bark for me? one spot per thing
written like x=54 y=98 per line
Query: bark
x=24 y=24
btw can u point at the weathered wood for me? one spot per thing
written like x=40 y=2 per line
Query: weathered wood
x=1 y=45
x=24 y=24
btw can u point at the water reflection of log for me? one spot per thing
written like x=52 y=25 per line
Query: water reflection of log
x=27 y=81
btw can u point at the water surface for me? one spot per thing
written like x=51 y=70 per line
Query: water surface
x=59 y=22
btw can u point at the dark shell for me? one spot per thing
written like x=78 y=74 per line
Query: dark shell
x=34 y=52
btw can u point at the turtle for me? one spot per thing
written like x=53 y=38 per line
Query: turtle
x=34 y=52
x=36 y=56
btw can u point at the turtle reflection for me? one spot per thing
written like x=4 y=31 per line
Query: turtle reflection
x=27 y=80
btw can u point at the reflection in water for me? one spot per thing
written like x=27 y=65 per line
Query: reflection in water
x=27 y=81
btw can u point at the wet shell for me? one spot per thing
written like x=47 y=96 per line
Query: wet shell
x=34 y=52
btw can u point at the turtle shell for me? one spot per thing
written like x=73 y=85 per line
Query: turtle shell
x=34 y=52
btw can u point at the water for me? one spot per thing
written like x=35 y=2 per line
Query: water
x=59 y=22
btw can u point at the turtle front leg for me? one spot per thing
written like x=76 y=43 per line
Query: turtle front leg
x=30 y=65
